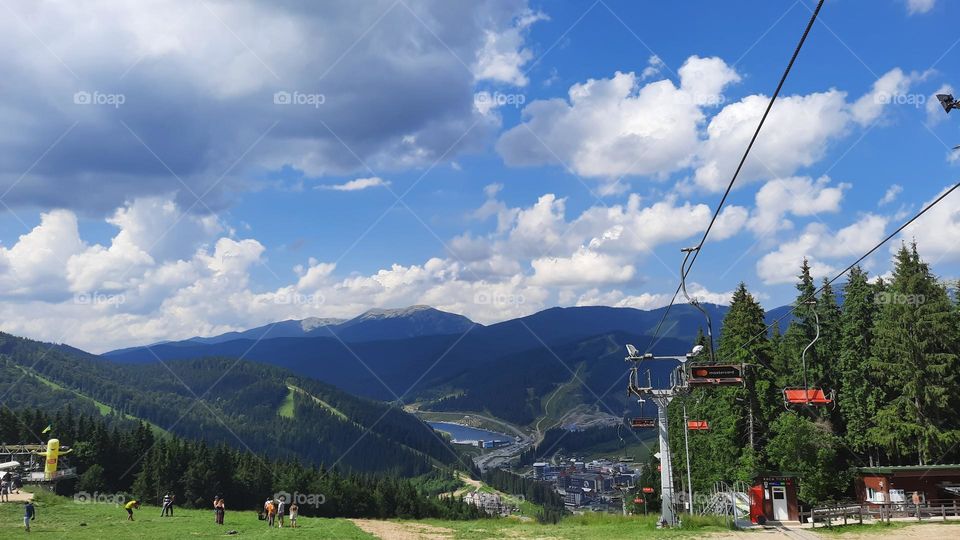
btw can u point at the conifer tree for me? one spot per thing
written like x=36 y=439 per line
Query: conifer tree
x=824 y=370
x=724 y=453
x=914 y=354
x=800 y=333
x=857 y=393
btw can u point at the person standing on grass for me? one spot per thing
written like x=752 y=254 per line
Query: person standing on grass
x=5 y=490
x=29 y=514
x=219 y=509
x=281 y=508
x=294 y=510
x=132 y=505
x=165 y=505
x=271 y=510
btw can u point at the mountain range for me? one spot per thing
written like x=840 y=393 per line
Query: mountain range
x=282 y=388
x=451 y=363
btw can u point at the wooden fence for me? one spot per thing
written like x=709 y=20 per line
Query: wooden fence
x=845 y=513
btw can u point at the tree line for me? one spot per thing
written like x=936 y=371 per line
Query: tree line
x=535 y=491
x=561 y=440
x=890 y=352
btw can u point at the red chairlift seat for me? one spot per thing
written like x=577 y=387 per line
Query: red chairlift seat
x=807 y=396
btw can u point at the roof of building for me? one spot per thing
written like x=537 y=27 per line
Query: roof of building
x=908 y=468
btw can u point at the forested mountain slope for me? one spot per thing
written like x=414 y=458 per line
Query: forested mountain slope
x=221 y=400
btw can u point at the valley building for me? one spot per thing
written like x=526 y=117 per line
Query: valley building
x=896 y=484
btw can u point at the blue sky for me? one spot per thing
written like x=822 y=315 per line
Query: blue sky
x=156 y=184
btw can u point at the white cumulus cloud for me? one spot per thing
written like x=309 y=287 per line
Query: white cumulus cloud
x=357 y=184
x=920 y=6
x=799 y=196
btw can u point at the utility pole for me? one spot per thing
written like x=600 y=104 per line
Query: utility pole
x=686 y=443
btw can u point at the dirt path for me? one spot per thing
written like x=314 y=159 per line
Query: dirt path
x=20 y=497
x=471 y=485
x=392 y=530
x=546 y=406
x=927 y=530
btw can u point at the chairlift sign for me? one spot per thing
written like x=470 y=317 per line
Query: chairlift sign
x=716 y=375
x=643 y=423
x=698 y=425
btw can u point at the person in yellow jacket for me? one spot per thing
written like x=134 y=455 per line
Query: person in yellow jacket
x=130 y=507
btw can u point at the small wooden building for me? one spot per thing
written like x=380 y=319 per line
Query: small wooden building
x=896 y=484
x=773 y=497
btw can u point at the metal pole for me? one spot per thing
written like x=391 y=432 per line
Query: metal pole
x=667 y=516
x=686 y=443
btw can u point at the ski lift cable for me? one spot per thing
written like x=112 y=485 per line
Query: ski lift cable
x=723 y=200
x=813 y=296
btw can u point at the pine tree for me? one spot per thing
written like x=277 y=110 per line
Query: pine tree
x=825 y=368
x=723 y=453
x=857 y=393
x=800 y=333
x=914 y=353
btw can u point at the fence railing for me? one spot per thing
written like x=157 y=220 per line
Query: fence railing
x=845 y=513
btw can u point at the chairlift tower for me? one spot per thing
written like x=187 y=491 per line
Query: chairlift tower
x=682 y=379
x=661 y=397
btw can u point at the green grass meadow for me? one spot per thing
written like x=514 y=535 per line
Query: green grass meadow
x=584 y=527
x=60 y=517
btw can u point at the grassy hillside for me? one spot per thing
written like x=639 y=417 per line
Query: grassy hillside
x=60 y=517
x=520 y=387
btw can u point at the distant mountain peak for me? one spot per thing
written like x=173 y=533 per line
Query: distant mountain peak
x=310 y=323
x=381 y=313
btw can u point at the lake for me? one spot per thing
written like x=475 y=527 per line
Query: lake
x=469 y=435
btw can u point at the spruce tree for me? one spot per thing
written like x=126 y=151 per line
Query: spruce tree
x=723 y=453
x=825 y=368
x=914 y=354
x=857 y=393
x=800 y=333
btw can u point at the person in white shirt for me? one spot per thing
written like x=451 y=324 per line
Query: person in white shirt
x=281 y=507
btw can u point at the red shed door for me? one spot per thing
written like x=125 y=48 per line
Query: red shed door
x=756 y=504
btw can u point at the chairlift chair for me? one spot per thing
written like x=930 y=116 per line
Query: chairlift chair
x=711 y=372
x=643 y=422
x=809 y=396
x=696 y=303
